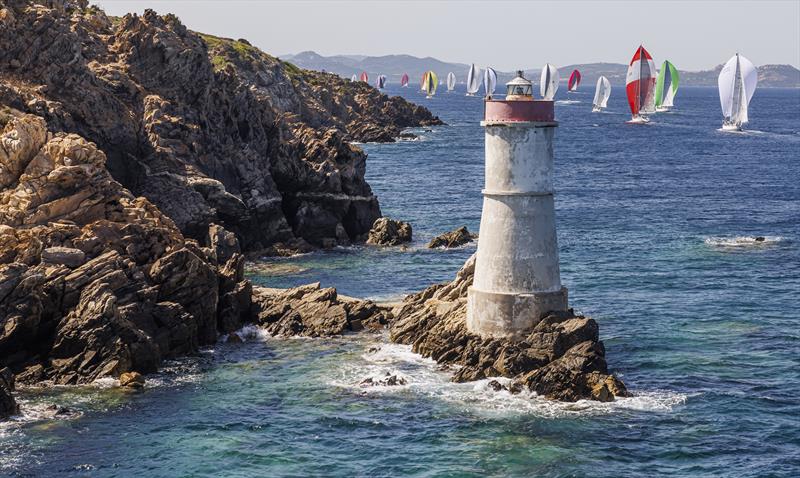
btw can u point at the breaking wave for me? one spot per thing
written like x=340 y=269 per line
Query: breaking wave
x=742 y=241
x=423 y=376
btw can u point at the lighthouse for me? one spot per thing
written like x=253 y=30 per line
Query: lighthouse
x=517 y=278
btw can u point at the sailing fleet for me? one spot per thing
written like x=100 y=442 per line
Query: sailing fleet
x=648 y=90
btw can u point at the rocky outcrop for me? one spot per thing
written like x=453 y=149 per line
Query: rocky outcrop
x=313 y=311
x=8 y=406
x=455 y=238
x=209 y=130
x=388 y=232
x=95 y=282
x=561 y=359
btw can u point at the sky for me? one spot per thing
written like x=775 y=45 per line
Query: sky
x=693 y=35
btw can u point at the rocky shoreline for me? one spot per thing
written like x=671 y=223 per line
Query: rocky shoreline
x=140 y=162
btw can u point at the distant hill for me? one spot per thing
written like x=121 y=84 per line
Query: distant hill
x=393 y=66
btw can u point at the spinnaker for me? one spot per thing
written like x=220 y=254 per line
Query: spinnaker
x=549 y=82
x=737 y=83
x=574 y=80
x=640 y=85
x=666 y=86
x=473 y=80
x=451 y=81
x=489 y=81
x=404 y=81
x=601 y=94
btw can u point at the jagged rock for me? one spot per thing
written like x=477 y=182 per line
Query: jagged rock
x=388 y=232
x=131 y=380
x=68 y=256
x=210 y=130
x=94 y=281
x=455 y=238
x=313 y=311
x=8 y=406
x=561 y=359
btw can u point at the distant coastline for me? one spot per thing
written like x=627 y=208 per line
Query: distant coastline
x=393 y=66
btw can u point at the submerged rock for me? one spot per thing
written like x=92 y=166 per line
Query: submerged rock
x=455 y=238
x=388 y=232
x=562 y=358
x=313 y=311
x=8 y=406
x=388 y=381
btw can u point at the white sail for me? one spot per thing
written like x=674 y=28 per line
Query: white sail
x=489 y=81
x=601 y=94
x=473 y=80
x=548 y=84
x=737 y=82
x=354 y=78
x=451 y=81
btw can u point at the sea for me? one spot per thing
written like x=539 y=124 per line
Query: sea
x=657 y=228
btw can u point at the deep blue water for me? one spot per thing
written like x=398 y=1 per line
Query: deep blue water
x=655 y=227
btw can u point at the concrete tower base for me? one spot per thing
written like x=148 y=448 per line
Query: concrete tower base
x=510 y=315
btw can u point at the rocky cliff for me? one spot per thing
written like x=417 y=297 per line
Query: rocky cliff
x=210 y=130
x=94 y=281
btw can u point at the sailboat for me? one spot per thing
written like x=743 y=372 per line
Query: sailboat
x=451 y=81
x=548 y=84
x=489 y=82
x=404 y=81
x=574 y=80
x=430 y=84
x=380 y=83
x=666 y=86
x=601 y=94
x=640 y=84
x=737 y=83
x=422 y=81
x=473 y=80
x=364 y=77
x=354 y=78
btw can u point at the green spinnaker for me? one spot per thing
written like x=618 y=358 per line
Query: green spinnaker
x=666 y=84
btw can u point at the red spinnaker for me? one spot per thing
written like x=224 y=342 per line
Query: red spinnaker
x=574 y=80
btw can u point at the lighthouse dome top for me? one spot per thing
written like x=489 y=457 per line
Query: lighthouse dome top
x=519 y=89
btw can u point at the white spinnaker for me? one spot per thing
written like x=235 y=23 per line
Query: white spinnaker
x=473 y=80
x=548 y=83
x=489 y=81
x=602 y=92
x=737 y=83
x=354 y=78
x=451 y=81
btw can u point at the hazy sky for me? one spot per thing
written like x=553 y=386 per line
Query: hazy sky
x=694 y=35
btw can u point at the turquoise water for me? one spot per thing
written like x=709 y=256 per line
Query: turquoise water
x=655 y=229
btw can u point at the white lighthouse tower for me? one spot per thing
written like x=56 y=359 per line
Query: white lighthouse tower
x=517 y=279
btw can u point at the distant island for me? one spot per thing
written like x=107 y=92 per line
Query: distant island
x=393 y=66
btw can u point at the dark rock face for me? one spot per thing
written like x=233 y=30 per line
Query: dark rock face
x=561 y=359
x=95 y=282
x=209 y=130
x=388 y=232
x=455 y=238
x=8 y=406
x=312 y=311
